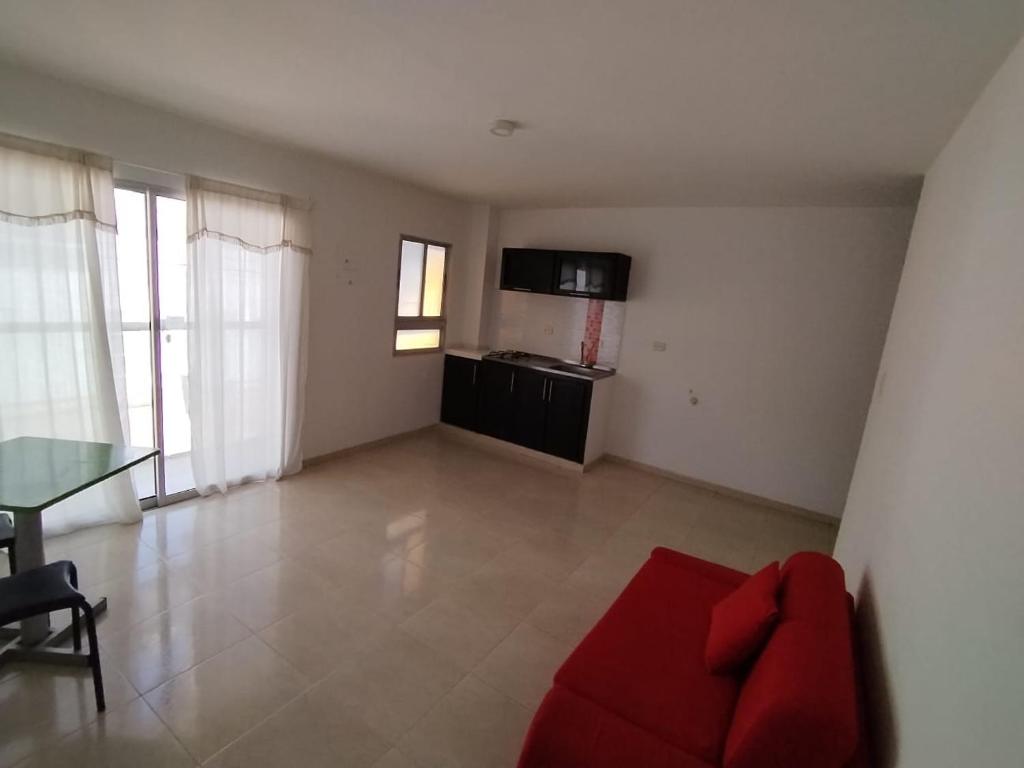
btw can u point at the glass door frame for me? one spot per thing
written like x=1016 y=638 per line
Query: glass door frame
x=152 y=192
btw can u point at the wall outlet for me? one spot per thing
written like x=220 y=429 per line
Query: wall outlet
x=660 y=346
x=549 y=330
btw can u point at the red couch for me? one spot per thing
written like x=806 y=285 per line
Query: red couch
x=636 y=692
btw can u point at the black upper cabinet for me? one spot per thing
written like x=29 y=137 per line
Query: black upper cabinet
x=587 y=274
x=525 y=269
x=459 y=394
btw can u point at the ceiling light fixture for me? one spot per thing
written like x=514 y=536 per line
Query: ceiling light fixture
x=505 y=128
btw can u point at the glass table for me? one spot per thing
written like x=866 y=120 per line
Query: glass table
x=36 y=473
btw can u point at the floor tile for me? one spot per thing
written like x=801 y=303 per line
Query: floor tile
x=460 y=634
x=394 y=759
x=318 y=640
x=41 y=704
x=523 y=665
x=272 y=593
x=134 y=597
x=214 y=703
x=129 y=736
x=224 y=561
x=307 y=733
x=155 y=650
x=474 y=726
x=567 y=614
x=389 y=686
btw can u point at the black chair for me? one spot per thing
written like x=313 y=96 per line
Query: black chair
x=7 y=540
x=53 y=587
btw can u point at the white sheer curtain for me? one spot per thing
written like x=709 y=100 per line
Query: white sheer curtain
x=61 y=360
x=248 y=261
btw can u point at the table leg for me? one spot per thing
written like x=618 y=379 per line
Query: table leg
x=28 y=545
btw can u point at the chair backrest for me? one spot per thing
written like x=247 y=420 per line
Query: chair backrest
x=797 y=707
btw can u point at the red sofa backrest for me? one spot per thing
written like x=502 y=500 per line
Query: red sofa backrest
x=797 y=707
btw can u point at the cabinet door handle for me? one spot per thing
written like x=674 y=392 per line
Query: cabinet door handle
x=474 y=375
x=551 y=389
x=512 y=383
x=544 y=390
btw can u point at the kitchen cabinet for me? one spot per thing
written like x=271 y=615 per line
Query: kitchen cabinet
x=526 y=269
x=565 y=429
x=537 y=410
x=584 y=274
x=459 y=393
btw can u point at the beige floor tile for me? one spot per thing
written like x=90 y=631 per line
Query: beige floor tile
x=318 y=640
x=226 y=560
x=272 y=593
x=130 y=736
x=41 y=704
x=214 y=703
x=109 y=558
x=459 y=550
x=155 y=650
x=605 y=573
x=504 y=587
x=306 y=733
x=722 y=548
x=567 y=614
x=396 y=588
x=474 y=726
x=523 y=665
x=140 y=595
x=461 y=635
x=548 y=554
x=394 y=759
x=390 y=685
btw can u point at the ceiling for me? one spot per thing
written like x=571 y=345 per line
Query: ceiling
x=628 y=102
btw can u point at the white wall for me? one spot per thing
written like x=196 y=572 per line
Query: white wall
x=775 y=317
x=357 y=391
x=933 y=535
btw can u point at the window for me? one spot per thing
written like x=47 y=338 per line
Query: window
x=419 y=315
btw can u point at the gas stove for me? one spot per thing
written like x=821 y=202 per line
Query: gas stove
x=508 y=354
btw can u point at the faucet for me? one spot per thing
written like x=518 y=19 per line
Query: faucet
x=583 y=359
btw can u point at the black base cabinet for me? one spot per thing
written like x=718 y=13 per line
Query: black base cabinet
x=459 y=395
x=535 y=409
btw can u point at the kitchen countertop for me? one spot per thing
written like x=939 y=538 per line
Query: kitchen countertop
x=473 y=353
x=560 y=367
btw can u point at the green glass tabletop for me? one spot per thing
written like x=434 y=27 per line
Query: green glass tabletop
x=37 y=472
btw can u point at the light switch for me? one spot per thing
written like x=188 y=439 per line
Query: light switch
x=549 y=330
x=660 y=346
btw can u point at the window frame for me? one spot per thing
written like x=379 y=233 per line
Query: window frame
x=419 y=322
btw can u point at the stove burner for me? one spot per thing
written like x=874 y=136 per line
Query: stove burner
x=508 y=354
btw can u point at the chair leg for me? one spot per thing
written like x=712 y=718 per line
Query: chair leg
x=76 y=629
x=94 y=657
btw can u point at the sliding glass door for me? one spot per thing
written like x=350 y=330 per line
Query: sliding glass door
x=153 y=292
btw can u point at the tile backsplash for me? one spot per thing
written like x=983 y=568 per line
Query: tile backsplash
x=522 y=318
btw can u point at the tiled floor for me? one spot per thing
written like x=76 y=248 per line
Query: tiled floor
x=404 y=606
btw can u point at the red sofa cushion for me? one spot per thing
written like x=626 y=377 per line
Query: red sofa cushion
x=570 y=731
x=798 y=705
x=742 y=621
x=644 y=660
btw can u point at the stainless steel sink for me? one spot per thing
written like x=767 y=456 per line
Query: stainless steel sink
x=579 y=370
